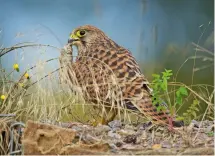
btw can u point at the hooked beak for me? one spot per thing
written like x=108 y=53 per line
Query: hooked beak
x=73 y=38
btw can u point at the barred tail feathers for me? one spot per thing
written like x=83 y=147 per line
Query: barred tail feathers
x=149 y=110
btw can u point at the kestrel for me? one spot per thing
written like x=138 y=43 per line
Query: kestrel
x=107 y=73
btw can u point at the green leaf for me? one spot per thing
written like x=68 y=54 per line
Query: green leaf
x=194 y=114
x=210 y=134
x=183 y=91
x=179 y=118
x=178 y=93
x=184 y=114
x=196 y=109
x=195 y=102
x=158 y=108
x=179 y=100
x=156 y=76
x=164 y=85
x=168 y=71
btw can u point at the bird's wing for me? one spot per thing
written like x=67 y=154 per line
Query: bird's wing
x=136 y=91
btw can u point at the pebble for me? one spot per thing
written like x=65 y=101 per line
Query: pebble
x=166 y=144
x=127 y=136
x=115 y=123
x=130 y=139
x=196 y=123
x=101 y=129
x=129 y=127
x=114 y=135
x=144 y=126
x=209 y=129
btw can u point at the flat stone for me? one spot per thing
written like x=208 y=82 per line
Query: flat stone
x=166 y=144
x=101 y=129
x=115 y=124
x=114 y=135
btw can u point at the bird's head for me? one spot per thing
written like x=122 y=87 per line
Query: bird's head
x=86 y=35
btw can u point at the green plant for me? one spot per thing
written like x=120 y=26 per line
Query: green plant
x=191 y=112
x=210 y=134
x=161 y=90
x=161 y=87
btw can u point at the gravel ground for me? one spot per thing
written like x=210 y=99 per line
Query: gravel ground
x=147 y=138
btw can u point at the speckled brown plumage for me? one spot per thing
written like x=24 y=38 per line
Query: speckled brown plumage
x=102 y=65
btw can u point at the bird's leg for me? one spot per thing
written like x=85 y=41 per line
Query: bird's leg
x=170 y=124
x=106 y=117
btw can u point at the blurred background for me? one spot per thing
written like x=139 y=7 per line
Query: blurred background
x=160 y=33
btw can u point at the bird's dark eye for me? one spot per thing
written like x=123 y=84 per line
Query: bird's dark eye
x=82 y=32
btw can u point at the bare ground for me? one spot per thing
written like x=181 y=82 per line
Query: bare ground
x=117 y=138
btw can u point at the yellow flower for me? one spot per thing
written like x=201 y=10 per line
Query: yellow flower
x=26 y=76
x=16 y=67
x=3 y=97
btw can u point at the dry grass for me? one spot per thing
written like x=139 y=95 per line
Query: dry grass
x=44 y=98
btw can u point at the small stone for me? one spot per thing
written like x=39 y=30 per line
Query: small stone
x=156 y=146
x=144 y=126
x=130 y=139
x=89 y=139
x=101 y=129
x=166 y=144
x=77 y=128
x=125 y=132
x=129 y=127
x=115 y=124
x=112 y=146
x=176 y=145
x=114 y=135
x=190 y=127
x=196 y=123
x=119 y=144
x=209 y=129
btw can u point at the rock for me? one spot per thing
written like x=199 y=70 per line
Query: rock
x=101 y=129
x=156 y=146
x=144 y=126
x=129 y=127
x=196 y=123
x=45 y=139
x=115 y=124
x=113 y=135
x=130 y=139
x=89 y=139
x=118 y=144
x=166 y=144
x=176 y=145
x=209 y=129
x=125 y=132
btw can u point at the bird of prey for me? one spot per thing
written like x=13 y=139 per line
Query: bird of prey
x=104 y=69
